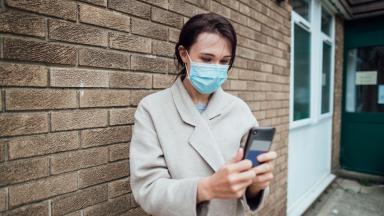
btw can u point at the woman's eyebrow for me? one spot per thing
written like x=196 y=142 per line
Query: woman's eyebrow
x=209 y=54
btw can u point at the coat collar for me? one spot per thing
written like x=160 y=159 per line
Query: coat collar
x=186 y=108
x=202 y=138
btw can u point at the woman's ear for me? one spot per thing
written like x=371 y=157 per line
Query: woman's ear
x=183 y=54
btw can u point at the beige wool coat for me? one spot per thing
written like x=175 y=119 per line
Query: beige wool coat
x=173 y=146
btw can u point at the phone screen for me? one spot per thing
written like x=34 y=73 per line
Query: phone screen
x=259 y=141
x=257 y=147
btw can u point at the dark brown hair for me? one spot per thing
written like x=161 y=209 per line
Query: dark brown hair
x=201 y=23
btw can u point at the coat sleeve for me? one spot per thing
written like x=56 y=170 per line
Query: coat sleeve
x=253 y=204
x=152 y=186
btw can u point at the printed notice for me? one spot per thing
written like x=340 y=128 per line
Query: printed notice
x=366 y=77
x=380 y=94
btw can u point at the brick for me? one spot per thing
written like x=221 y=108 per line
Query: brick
x=151 y=64
x=22 y=23
x=39 y=209
x=103 y=59
x=75 y=160
x=96 y=2
x=2 y=150
x=23 y=75
x=119 y=151
x=173 y=35
x=149 y=29
x=104 y=98
x=34 y=99
x=166 y=17
x=232 y=4
x=132 y=7
x=77 y=33
x=77 y=213
x=121 y=116
x=3 y=199
x=12 y=124
x=105 y=136
x=135 y=212
x=238 y=17
x=103 y=173
x=128 y=42
x=137 y=95
x=112 y=207
x=105 y=18
x=56 y=8
x=23 y=170
x=163 y=48
x=42 y=189
x=61 y=77
x=77 y=119
x=160 y=3
x=185 y=9
x=130 y=80
x=80 y=199
x=162 y=80
x=118 y=188
x=23 y=50
x=27 y=146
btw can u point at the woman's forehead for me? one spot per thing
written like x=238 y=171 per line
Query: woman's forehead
x=212 y=43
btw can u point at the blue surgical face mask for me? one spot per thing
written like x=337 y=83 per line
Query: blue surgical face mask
x=207 y=78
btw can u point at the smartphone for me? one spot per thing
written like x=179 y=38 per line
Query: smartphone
x=259 y=141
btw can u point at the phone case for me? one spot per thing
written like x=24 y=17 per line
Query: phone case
x=259 y=134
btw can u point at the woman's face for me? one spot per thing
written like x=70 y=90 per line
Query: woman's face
x=209 y=48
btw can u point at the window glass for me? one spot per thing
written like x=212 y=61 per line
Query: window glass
x=301 y=85
x=365 y=79
x=326 y=79
x=326 y=19
x=302 y=8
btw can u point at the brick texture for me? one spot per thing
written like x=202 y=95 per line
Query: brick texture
x=41 y=189
x=73 y=72
x=105 y=18
x=38 y=51
x=338 y=94
x=71 y=32
x=23 y=75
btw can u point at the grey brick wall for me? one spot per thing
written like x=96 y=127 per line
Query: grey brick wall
x=72 y=73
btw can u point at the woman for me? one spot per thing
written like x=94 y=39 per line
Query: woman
x=186 y=147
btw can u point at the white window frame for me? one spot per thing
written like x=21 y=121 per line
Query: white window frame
x=313 y=26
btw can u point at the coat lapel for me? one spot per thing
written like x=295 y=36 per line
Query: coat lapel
x=202 y=138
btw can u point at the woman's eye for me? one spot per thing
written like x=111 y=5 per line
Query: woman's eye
x=206 y=59
x=224 y=62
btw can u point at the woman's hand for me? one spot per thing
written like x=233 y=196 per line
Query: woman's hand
x=233 y=179
x=263 y=172
x=230 y=181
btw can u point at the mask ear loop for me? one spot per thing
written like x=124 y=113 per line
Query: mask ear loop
x=186 y=68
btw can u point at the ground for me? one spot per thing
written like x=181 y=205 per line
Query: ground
x=346 y=197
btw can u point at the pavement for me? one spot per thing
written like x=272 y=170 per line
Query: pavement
x=346 y=197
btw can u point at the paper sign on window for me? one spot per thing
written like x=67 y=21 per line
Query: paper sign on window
x=381 y=94
x=366 y=78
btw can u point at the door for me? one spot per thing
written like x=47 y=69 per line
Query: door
x=362 y=134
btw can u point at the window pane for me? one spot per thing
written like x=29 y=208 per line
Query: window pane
x=301 y=85
x=326 y=19
x=326 y=81
x=365 y=79
x=301 y=7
